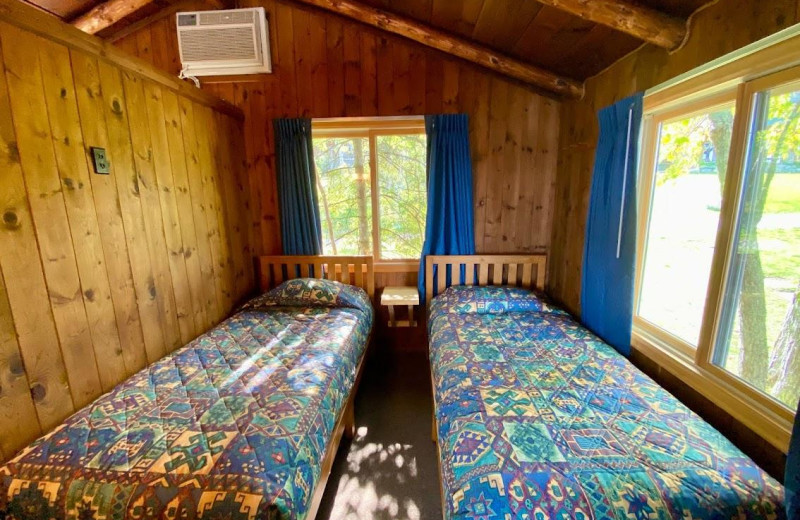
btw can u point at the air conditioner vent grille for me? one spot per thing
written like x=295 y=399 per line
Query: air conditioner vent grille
x=229 y=42
x=234 y=43
x=226 y=17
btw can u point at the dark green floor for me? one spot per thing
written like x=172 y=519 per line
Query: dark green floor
x=389 y=470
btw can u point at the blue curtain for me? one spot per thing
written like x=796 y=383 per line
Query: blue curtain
x=609 y=253
x=792 y=477
x=449 y=226
x=297 y=187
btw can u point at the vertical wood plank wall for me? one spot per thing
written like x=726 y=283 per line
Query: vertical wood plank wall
x=103 y=274
x=326 y=66
x=717 y=30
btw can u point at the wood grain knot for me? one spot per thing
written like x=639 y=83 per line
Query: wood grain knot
x=15 y=366
x=38 y=392
x=10 y=219
x=12 y=152
x=116 y=108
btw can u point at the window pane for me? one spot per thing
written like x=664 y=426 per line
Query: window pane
x=760 y=326
x=343 y=187
x=402 y=193
x=692 y=160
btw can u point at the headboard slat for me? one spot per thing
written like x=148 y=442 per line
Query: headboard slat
x=527 y=271
x=483 y=278
x=325 y=267
x=526 y=274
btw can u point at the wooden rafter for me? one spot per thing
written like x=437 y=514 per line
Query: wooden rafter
x=460 y=47
x=107 y=14
x=642 y=22
x=180 y=5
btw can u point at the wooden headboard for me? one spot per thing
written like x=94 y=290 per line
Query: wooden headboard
x=353 y=270
x=527 y=271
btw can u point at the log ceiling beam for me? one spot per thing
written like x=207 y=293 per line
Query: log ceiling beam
x=460 y=47
x=107 y=14
x=179 y=5
x=641 y=22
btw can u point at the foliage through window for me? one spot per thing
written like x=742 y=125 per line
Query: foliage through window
x=760 y=325
x=684 y=216
x=718 y=276
x=371 y=183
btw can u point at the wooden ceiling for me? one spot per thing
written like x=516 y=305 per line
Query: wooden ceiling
x=551 y=36
x=535 y=33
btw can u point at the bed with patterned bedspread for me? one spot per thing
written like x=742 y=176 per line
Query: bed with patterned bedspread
x=538 y=418
x=232 y=426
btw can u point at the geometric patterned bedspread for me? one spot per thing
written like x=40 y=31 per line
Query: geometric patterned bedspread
x=232 y=426
x=538 y=418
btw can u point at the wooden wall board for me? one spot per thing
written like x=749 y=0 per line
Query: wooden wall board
x=364 y=72
x=210 y=299
x=101 y=274
x=46 y=200
x=173 y=240
x=128 y=188
x=189 y=237
x=78 y=196
x=106 y=202
x=18 y=422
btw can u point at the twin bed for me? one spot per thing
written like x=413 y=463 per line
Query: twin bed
x=535 y=417
x=241 y=423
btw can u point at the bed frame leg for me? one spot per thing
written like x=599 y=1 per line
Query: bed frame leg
x=350 y=420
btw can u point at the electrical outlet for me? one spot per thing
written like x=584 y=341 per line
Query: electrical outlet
x=100 y=160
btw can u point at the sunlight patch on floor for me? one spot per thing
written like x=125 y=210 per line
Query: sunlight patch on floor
x=364 y=498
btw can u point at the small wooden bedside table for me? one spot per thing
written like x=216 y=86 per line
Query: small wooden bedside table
x=392 y=296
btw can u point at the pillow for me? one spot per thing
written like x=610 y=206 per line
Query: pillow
x=492 y=299
x=312 y=292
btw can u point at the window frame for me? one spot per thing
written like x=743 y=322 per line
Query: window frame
x=371 y=129
x=739 y=81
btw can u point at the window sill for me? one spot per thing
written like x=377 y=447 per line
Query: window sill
x=397 y=266
x=772 y=427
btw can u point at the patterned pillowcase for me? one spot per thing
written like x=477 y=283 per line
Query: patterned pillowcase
x=462 y=299
x=312 y=292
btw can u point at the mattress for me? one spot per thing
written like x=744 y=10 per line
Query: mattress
x=234 y=425
x=538 y=418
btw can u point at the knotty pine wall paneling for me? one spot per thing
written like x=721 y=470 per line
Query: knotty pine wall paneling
x=102 y=274
x=327 y=66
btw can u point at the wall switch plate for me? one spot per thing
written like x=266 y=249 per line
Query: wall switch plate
x=100 y=160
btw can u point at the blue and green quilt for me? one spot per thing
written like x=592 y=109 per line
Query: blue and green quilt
x=539 y=419
x=232 y=426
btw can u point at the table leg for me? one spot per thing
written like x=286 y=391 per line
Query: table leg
x=392 y=322
x=411 y=321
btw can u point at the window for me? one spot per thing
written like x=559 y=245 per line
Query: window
x=718 y=269
x=759 y=327
x=690 y=166
x=371 y=183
